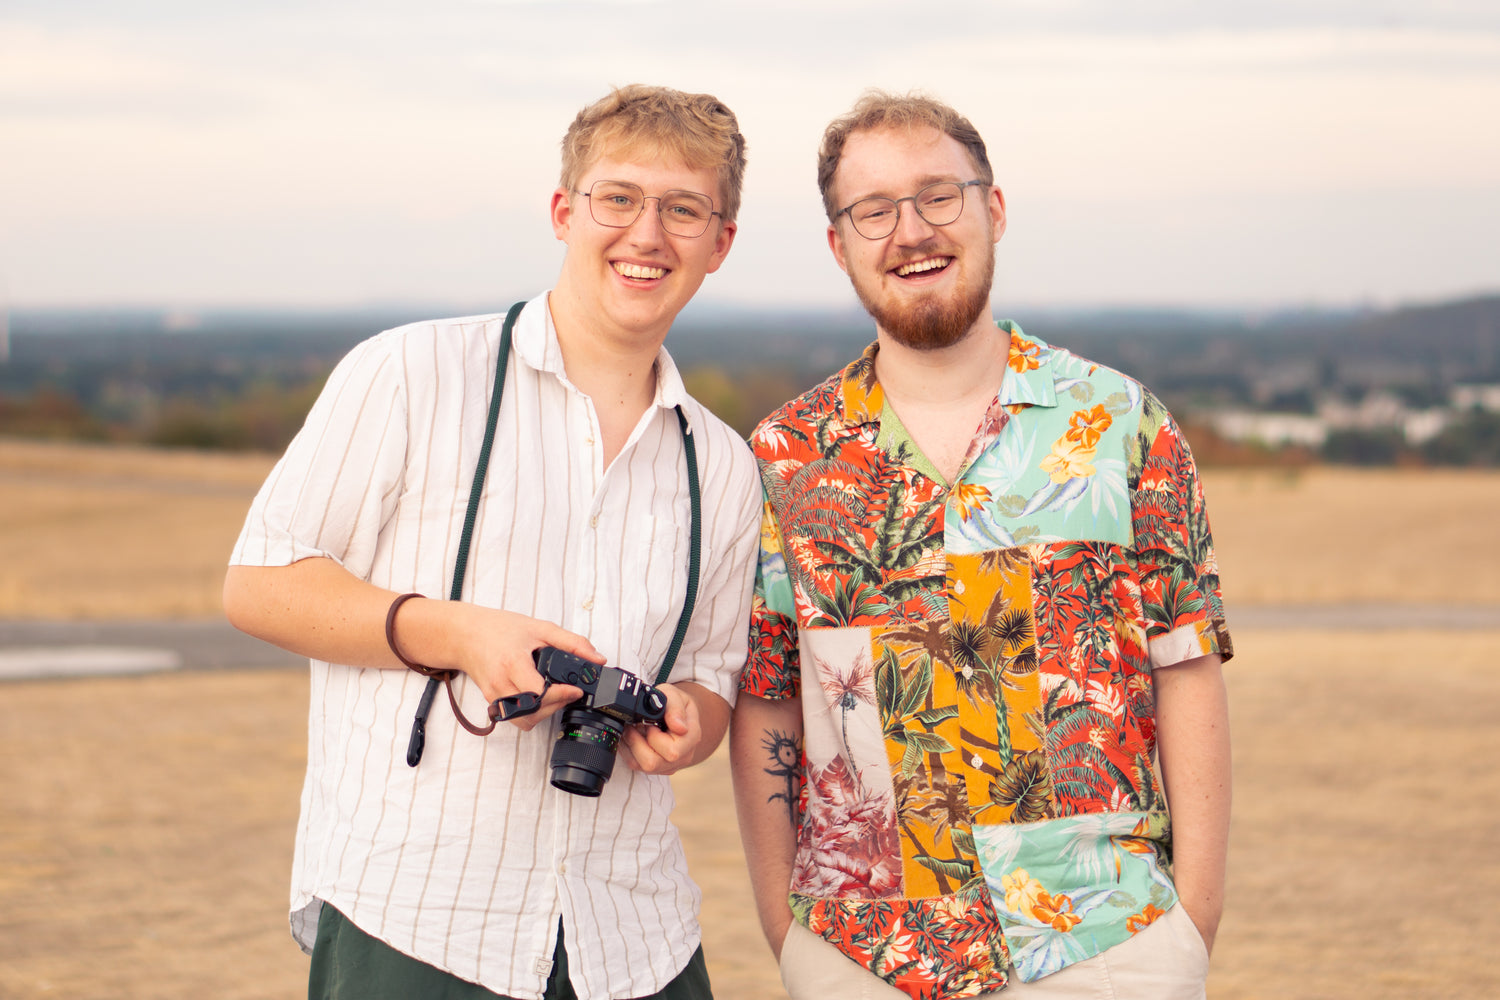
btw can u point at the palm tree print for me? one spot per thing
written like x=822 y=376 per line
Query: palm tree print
x=848 y=686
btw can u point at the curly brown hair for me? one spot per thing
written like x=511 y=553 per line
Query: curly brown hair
x=877 y=109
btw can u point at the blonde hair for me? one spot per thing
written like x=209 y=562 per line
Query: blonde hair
x=877 y=109
x=697 y=129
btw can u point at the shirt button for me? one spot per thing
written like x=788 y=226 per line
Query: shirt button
x=976 y=762
x=594 y=521
x=562 y=869
x=588 y=605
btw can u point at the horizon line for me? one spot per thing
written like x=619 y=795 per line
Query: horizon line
x=193 y=313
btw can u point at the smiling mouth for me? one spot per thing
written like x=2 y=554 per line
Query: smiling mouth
x=639 y=271
x=923 y=266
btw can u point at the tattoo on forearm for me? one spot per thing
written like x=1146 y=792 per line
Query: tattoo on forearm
x=785 y=751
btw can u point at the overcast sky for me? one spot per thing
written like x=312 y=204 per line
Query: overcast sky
x=1220 y=153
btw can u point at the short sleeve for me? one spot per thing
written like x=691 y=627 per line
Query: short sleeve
x=772 y=669
x=340 y=478
x=1173 y=550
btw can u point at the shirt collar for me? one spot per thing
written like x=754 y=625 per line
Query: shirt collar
x=535 y=340
x=1028 y=382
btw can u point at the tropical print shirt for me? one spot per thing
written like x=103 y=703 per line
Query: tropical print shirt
x=974 y=664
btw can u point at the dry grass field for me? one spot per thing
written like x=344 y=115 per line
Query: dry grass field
x=145 y=823
x=98 y=532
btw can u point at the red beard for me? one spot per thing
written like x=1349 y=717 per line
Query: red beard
x=935 y=322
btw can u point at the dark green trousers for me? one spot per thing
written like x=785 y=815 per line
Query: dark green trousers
x=348 y=964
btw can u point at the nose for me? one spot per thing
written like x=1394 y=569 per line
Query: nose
x=650 y=218
x=911 y=228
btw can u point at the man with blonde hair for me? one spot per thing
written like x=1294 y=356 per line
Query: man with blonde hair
x=476 y=511
x=987 y=603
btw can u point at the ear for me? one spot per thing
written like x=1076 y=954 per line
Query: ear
x=562 y=213
x=997 y=211
x=722 y=242
x=836 y=244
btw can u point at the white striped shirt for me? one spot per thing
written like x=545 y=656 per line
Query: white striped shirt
x=468 y=860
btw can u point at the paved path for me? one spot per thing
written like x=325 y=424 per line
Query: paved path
x=1365 y=617
x=30 y=650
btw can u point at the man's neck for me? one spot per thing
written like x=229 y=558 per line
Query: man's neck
x=617 y=374
x=942 y=395
x=975 y=366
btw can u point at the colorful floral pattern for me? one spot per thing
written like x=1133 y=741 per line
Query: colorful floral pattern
x=975 y=666
x=1069 y=888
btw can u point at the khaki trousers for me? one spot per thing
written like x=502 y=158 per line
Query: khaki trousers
x=1166 y=961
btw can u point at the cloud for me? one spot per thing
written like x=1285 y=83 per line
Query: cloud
x=190 y=152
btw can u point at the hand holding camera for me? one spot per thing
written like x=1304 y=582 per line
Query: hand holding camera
x=666 y=751
x=583 y=758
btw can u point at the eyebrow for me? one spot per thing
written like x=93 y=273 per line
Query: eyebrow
x=922 y=182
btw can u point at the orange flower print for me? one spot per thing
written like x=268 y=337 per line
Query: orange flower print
x=1021 y=891
x=1069 y=460
x=1057 y=911
x=1137 y=922
x=969 y=497
x=1088 y=426
x=1025 y=356
x=1073 y=454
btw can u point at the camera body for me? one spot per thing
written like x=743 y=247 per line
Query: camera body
x=583 y=757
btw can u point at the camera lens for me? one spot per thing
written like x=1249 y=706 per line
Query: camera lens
x=583 y=757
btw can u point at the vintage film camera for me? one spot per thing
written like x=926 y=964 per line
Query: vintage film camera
x=584 y=755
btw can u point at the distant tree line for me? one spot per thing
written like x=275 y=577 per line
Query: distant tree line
x=246 y=381
x=1471 y=440
x=260 y=417
x=263 y=415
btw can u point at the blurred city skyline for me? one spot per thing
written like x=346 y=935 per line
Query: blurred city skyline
x=329 y=154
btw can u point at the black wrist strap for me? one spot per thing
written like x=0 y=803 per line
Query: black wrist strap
x=418 y=739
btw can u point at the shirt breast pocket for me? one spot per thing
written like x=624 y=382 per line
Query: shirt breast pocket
x=653 y=585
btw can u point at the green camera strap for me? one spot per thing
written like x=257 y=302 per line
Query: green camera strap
x=436 y=677
x=695 y=532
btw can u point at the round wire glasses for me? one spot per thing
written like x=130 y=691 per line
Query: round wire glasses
x=939 y=204
x=618 y=204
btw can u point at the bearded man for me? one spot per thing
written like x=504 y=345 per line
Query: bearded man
x=987 y=602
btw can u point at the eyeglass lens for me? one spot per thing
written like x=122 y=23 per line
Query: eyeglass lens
x=619 y=204
x=939 y=204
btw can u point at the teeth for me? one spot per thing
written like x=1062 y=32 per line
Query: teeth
x=639 y=271
x=917 y=266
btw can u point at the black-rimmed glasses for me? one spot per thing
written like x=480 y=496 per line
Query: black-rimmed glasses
x=938 y=204
x=618 y=204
